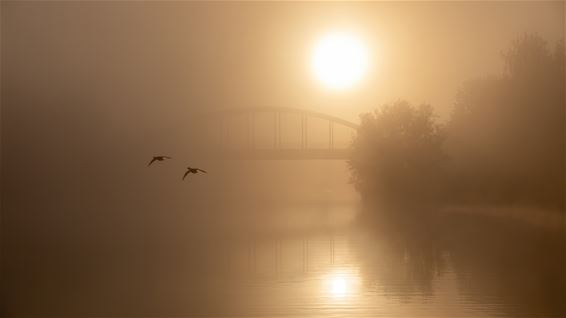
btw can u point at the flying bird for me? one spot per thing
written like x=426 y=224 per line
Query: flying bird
x=192 y=170
x=158 y=158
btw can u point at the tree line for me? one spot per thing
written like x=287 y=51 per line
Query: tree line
x=504 y=142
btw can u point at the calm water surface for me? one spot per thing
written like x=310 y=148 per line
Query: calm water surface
x=444 y=266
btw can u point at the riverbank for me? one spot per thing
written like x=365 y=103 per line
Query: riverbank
x=536 y=216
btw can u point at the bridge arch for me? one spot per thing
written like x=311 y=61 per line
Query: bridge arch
x=218 y=119
x=274 y=109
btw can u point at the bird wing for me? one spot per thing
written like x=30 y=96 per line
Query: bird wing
x=201 y=170
x=186 y=173
x=152 y=160
x=167 y=157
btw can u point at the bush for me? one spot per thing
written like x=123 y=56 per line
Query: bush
x=506 y=136
x=397 y=155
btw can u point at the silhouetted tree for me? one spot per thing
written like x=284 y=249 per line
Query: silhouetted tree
x=506 y=135
x=397 y=155
x=505 y=141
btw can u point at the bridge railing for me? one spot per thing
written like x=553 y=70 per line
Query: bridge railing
x=262 y=133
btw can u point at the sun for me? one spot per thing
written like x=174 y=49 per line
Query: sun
x=340 y=60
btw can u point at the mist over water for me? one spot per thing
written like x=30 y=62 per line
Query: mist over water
x=249 y=249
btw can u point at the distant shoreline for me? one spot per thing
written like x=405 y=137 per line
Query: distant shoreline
x=552 y=219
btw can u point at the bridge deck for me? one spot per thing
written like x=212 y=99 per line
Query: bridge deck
x=283 y=154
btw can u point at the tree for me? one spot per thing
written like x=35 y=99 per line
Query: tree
x=397 y=155
x=506 y=135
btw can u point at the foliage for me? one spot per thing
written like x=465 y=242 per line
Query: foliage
x=506 y=135
x=397 y=155
x=504 y=143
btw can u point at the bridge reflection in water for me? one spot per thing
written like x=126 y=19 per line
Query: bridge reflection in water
x=273 y=133
x=291 y=257
x=326 y=261
x=450 y=266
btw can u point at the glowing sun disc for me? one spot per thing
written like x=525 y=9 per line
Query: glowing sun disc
x=340 y=60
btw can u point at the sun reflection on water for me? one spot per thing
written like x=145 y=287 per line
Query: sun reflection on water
x=341 y=283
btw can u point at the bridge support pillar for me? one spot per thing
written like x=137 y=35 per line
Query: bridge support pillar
x=250 y=132
x=330 y=135
x=276 y=132
x=304 y=132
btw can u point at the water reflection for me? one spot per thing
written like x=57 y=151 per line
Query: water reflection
x=341 y=283
x=450 y=265
x=444 y=265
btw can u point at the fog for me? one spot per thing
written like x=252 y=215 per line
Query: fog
x=91 y=91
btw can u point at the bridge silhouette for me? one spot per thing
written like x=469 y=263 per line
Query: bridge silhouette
x=258 y=133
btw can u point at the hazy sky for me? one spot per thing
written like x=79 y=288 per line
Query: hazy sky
x=91 y=90
x=155 y=59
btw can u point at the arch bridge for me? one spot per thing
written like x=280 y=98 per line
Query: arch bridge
x=277 y=133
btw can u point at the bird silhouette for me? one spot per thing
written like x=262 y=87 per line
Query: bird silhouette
x=192 y=170
x=157 y=158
